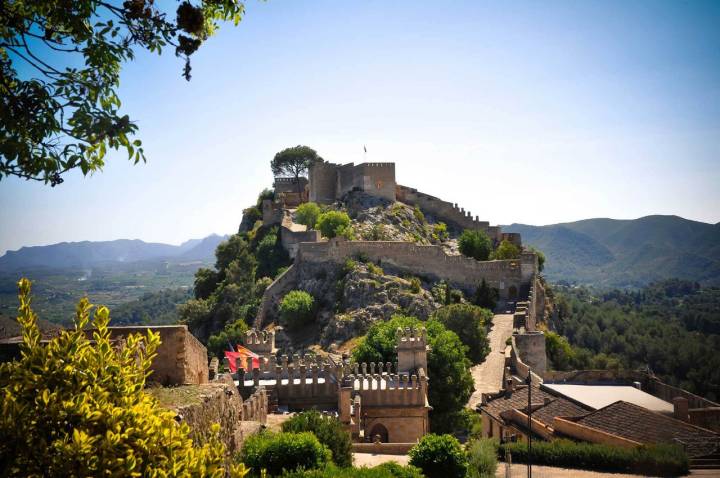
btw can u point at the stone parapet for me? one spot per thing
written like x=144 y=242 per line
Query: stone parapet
x=429 y=261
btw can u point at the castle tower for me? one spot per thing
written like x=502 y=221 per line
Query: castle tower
x=411 y=349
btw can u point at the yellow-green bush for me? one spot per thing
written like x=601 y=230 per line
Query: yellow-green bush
x=75 y=406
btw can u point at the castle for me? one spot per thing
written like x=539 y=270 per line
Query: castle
x=383 y=402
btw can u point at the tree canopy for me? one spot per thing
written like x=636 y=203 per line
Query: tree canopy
x=65 y=112
x=469 y=322
x=448 y=368
x=475 y=244
x=294 y=162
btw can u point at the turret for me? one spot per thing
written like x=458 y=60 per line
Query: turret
x=411 y=349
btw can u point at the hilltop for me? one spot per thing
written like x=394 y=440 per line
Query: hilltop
x=627 y=253
x=87 y=254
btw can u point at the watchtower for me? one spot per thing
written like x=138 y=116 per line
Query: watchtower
x=411 y=349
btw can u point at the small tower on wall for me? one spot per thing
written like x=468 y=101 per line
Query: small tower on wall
x=411 y=349
x=260 y=342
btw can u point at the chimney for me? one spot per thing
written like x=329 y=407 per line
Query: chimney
x=510 y=385
x=680 y=409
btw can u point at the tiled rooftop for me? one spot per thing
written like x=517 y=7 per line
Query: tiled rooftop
x=636 y=423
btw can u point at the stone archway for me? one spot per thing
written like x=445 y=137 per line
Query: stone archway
x=512 y=293
x=379 y=433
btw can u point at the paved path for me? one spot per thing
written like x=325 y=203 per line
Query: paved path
x=489 y=374
x=373 y=459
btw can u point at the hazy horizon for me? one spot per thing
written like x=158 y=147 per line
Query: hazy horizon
x=518 y=112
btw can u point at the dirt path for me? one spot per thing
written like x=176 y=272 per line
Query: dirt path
x=489 y=374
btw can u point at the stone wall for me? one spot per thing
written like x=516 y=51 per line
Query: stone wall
x=181 y=358
x=530 y=347
x=447 y=212
x=429 y=261
x=289 y=185
x=274 y=293
x=202 y=405
x=329 y=182
x=291 y=239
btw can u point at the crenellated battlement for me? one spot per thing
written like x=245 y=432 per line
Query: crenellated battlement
x=260 y=342
x=411 y=337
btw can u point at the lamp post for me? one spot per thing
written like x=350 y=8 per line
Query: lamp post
x=529 y=386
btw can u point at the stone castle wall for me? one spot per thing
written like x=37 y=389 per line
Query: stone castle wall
x=274 y=293
x=181 y=358
x=429 y=261
x=447 y=212
x=329 y=182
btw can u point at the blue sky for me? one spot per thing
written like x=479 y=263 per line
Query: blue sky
x=519 y=111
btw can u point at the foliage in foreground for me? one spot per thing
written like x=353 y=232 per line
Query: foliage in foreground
x=439 y=456
x=328 y=430
x=448 y=368
x=60 y=66
x=386 y=470
x=279 y=452
x=482 y=458
x=76 y=407
x=655 y=460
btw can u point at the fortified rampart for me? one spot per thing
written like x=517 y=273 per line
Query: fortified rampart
x=510 y=277
x=330 y=182
x=274 y=292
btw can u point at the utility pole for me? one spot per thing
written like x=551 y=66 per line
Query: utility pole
x=529 y=386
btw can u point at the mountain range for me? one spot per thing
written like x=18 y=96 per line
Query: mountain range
x=627 y=253
x=88 y=254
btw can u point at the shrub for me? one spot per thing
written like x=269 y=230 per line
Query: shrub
x=415 y=285
x=375 y=269
x=348 y=266
x=332 y=223
x=486 y=296
x=541 y=258
x=386 y=470
x=475 y=244
x=307 y=214
x=506 y=250
x=264 y=194
x=663 y=460
x=469 y=322
x=419 y=216
x=482 y=458
x=378 y=233
x=456 y=296
x=440 y=232
x=270 y=254
x=439 y=456
x=328 y=430
x=75 y=406
x=296 y=309
x=277 y=452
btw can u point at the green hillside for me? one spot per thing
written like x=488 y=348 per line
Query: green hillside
x=627 y=253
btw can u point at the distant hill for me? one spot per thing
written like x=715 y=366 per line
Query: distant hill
x=87 y=254
x=627 y=253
